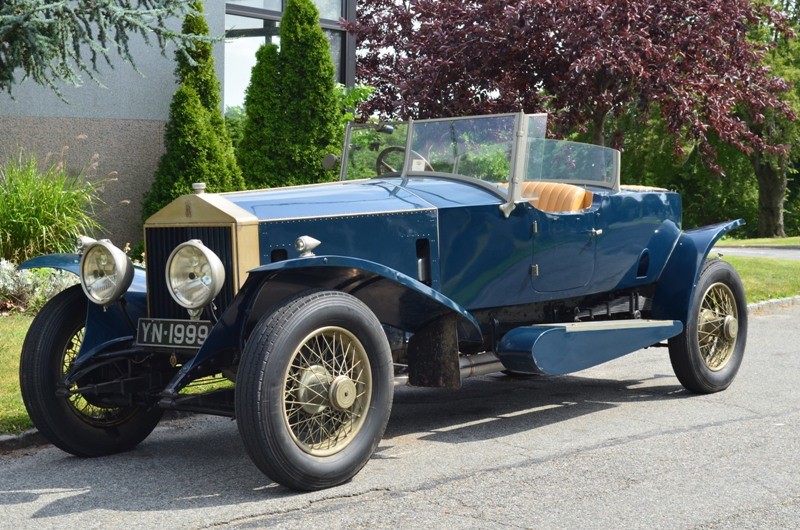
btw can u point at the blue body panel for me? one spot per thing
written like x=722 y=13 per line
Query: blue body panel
x=478 y=257
x=556 y=350
x=389 y=238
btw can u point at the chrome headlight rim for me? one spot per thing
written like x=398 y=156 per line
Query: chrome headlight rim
x=100 y=254
x=209 y=270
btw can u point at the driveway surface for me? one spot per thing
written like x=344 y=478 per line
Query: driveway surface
x=759 y=252
x=621 y=445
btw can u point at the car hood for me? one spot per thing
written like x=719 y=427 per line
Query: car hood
x=331 y=199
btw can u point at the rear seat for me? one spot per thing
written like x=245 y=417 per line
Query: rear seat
x=556 y=197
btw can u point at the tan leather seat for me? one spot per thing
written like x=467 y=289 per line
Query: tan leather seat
x=556 y=196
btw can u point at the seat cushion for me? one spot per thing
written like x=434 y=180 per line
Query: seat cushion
x=556 y=196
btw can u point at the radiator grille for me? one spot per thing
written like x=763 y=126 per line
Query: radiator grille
x=160 y=242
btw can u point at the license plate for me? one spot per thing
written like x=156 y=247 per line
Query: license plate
x=172 y=333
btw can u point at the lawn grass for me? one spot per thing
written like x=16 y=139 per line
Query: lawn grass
x=760 y=242
x=764 y=279
x=13 y=417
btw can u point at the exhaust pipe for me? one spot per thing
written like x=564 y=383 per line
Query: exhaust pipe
x=470 y=365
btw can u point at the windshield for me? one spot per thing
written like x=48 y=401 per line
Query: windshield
x=487 y=148
x=572 y=162
x=374 y=149
x=481 y=148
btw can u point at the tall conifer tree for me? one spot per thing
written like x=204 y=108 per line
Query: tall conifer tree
x=198 y=148
x=291 y=106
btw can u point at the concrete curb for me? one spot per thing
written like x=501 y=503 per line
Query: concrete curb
x=33 y=438
x=13 y=442
x=778 y=303
x=771 y=247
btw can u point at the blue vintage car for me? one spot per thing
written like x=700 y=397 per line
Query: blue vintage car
x=448 y=248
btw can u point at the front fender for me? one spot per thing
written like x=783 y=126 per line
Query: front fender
x=64 y=262
x=677 y=282
x=72 y=263
x=105 y=327
x=396 y=299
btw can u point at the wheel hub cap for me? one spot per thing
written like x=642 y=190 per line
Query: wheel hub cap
x=731 y=327
x=343 y=393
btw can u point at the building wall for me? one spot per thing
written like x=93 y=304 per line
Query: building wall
x=122 y=123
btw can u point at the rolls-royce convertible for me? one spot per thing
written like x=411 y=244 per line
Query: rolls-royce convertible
x=448 y=248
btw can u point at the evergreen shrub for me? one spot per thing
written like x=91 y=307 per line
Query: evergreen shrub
x=291 y=105
x=198 y=148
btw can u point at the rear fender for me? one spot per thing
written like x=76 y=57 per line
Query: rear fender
x=396 y=299
x=108 y=327
x=678 y=280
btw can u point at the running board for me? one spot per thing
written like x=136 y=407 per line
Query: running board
x=562 y=348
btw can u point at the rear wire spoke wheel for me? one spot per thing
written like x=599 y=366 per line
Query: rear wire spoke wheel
x=314 y=390
x=706 y=356
x=77 y=424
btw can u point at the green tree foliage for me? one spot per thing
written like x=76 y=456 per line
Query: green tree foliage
x=349 y=99
x=292 y=110
x=263 y=144
x=772 y=168
x=198 y=148
x=196 y=68
x=194 y=153
x=234 y=122
x=47 y=40
x=651 y=158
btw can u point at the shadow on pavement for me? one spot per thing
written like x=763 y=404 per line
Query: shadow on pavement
x=200 y=462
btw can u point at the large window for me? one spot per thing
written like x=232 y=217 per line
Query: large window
x=251 y=23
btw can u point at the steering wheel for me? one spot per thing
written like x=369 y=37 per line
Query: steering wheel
x=381 y=166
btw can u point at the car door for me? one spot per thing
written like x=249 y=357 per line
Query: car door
x=563 y=250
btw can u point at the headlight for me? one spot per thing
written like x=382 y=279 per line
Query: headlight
x=194 y=274
x=106 y=272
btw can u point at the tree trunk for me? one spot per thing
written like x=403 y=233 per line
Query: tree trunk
x=599 y=127
x=772 y=181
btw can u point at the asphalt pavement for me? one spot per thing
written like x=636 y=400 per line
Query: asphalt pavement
x=620 y=445
x=790 y=253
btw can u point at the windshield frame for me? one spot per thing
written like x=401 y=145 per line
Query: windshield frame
x=526 y=128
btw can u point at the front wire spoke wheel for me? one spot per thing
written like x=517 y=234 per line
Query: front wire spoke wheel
x=80 y=424
x=90 y=413
x=314 y=390
x=327 y=391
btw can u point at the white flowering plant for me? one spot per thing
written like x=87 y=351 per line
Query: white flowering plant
x=28 y=290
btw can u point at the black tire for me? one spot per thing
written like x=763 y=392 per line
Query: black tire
x=706 y=356
x=72 y=424
x=309 y=419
